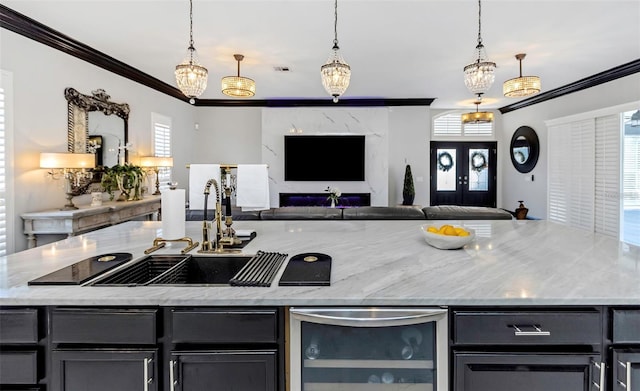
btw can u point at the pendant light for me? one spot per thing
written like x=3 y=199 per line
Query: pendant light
x=238 y=86
x=522 y=85
x=336 y=73
x=480 y=74
x=191 y=77
x=477 y=117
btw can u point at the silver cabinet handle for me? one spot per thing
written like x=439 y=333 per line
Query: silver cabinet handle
x=172 y=378
x=147 y=380
x=627 y=384
x=537 y=333
x=601 y=367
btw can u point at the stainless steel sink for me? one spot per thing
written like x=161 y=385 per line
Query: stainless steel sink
x=177 y=270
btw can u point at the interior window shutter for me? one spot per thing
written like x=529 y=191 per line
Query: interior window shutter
x=3 y=177
x=162 y=146
x=607 y=175
x=558 y=168
x=571 y=173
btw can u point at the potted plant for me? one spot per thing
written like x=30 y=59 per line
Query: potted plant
x=127 y=178
x=408 y=191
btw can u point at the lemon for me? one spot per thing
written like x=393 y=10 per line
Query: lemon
x=450 y=231
x=432 y=229
x=460 y=231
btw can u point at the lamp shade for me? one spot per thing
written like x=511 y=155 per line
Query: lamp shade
x=67 y=160
x=477 y=117
x=156 y=161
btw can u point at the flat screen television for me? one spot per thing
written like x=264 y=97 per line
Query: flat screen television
x=324 y=158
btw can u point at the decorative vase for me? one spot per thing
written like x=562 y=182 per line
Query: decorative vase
x=333 y=203
x=521 y=211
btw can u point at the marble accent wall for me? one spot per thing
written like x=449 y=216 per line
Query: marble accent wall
x=373 y=122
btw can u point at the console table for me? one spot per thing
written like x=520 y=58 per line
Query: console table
x=87 y=218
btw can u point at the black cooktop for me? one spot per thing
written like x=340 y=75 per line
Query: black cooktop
x=84 y=270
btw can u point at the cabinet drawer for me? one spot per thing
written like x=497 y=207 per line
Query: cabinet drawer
x=626 y=326
x=18 y=367
x=527 y=328
x=224 y=326
x=18 y=326
x=103 y=326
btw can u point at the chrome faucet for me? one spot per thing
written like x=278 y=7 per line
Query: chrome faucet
x=207 y=245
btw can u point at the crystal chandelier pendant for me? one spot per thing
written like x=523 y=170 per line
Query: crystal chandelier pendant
x=336 y=74
x=480 y=74
x=191 y=77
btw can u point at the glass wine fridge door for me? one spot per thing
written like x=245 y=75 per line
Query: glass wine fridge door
x=352 y=349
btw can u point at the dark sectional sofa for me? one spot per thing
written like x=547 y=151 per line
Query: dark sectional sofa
x=449 y=212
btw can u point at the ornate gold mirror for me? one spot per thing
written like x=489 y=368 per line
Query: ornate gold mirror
x=97 y=125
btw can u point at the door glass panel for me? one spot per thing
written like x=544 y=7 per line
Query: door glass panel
x=340 y=358
x=446 y=173
x=478 y=169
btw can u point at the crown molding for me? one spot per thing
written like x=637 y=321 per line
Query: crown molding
x=32 y=29
x=588 y=82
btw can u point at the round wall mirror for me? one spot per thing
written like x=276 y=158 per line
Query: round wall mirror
x=524 y=149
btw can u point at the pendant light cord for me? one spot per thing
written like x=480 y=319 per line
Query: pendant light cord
x=191 y=47
x=479 y=23
x=335 y=25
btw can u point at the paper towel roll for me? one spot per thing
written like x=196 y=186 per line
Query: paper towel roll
x=173 y=214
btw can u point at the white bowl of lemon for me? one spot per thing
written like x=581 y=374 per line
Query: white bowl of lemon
x=446 y=236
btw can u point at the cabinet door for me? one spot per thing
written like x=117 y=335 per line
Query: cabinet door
x=527 y=372
x=223 y=370
x=626 y=369
x=104 y=370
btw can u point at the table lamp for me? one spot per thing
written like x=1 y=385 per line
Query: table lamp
x=155 y=163
x=72 y=167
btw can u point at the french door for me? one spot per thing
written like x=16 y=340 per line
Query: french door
x=463 y=173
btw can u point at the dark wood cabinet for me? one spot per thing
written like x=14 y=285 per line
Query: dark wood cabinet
x=242 y=370
x=224 y=348
x=21 y=352
x=626 y=369
x=528 y=349
x=527 y=372
x=104 y=370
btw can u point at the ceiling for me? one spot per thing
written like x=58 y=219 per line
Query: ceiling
x=396 y=48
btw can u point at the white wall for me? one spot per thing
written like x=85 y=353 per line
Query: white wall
x=515 y=186
x=409 y=134
x=40 y=75
x=370 y=122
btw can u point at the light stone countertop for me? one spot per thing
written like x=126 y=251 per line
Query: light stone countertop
x=374 y=263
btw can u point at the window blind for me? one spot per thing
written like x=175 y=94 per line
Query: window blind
x=607 y=175
x=571 y=173
x=3 y=175
x=450 y=125
x=162 y=147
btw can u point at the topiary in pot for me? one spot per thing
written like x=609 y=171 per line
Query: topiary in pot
x=408 y=191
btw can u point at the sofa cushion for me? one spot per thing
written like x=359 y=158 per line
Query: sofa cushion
x=236 y=213
x=383 y=213
x=455 y=212
x=301 y=213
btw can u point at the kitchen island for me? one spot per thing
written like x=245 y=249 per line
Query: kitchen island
x=525 y=298
x=374 y=263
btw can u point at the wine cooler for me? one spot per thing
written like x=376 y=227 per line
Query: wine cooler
x=369 y=349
